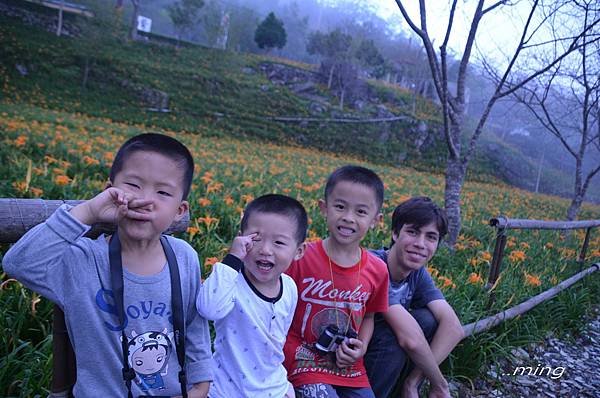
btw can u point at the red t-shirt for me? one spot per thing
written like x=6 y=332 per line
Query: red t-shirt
x=344 y=301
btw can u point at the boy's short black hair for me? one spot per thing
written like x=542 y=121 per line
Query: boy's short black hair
x=282 y=205
x=419 y=211
x=358 y=175
x=162 y=144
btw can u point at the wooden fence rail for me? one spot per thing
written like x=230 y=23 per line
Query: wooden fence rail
x=18 y=216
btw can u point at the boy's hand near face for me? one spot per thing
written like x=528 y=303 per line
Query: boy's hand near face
x=110 y=206
x=350 y=351
x=242 y=244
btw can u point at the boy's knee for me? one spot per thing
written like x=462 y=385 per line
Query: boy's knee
x=426 y=321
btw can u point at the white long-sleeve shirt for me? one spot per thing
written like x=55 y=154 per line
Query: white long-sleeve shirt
x=250 y=332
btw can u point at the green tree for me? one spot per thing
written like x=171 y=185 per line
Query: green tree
x=334 y=47
x=270 y=33
x=184 y=14
x=369 y=56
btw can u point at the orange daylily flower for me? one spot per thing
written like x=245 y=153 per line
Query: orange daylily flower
x=62 y=180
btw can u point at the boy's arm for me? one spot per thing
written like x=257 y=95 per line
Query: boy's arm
x=199 y=390
x=411 y=339
x=198 y=353
x=448 y=334
x=217 y=293
x=41 y=258
x=216 y=296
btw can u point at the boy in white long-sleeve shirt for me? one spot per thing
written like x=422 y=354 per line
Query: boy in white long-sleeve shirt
x=252 y=302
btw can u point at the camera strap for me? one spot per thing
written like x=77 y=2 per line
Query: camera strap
x=116 y=279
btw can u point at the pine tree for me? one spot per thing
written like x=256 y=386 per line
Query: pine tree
x=270 y=33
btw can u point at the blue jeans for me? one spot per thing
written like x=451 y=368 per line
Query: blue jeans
x=385 y=360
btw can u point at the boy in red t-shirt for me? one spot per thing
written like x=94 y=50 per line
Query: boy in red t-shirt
x=340 y=288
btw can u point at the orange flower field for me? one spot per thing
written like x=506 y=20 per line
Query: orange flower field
x=55 y=155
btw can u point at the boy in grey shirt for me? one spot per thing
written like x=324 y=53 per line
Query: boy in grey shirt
x=149 y=182
x=417 y=310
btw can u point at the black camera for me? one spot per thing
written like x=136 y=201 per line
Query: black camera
x=331 y=337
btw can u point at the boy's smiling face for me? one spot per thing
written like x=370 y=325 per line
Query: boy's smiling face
x=350 y=209
x=273 y=249
x=157 y=178
x=413 y=247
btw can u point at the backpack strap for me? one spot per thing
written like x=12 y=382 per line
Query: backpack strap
x=177 y=310
x=116 y=280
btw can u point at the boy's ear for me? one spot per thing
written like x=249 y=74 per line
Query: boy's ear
x=323 y=207
x=300 y=251
x=376 y=220
x=181 y=210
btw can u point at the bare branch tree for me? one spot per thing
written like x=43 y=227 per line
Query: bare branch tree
x=566 y=102
x=540 y=17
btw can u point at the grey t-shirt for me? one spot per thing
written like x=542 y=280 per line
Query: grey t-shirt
x=415 y=291
x=55 y=260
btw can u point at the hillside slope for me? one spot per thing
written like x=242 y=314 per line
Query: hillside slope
x=220 y=93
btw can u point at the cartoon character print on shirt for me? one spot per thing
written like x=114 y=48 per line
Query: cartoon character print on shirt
x=148 y=355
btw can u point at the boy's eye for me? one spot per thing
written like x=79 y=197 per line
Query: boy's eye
x=340 y=207
x=280 y=243
x=411 y=232
x=164 y=193
x=433 y=238
x=139 y=362
x=362 y=212
x=132 y=185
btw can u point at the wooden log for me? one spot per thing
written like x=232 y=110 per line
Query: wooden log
x=337 y=120
x=502 y=222
x=494 y=320
x=18 y=216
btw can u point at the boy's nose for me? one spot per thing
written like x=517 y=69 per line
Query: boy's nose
x=265 y=248
x=419 y=240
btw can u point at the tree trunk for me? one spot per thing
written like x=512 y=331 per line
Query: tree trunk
x=134 y=16
x=330 y=77
x=574 y=207
x=86 y=73
x=60 y=19
x=455 y=176
x=578 y=191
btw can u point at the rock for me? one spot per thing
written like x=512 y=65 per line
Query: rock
x=384 y=112
x=519 y=353
x=248 y=70
x=22 y=69
x=384 y=136
x=359 y=105
x=401 y=157
x=301 y=87
x=301 y=139
x=316 y=108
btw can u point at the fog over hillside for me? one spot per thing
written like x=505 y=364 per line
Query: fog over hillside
x=509 y=122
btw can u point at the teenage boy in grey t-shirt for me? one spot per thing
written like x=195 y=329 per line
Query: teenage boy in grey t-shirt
x=149 y=182
x=418 y=311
